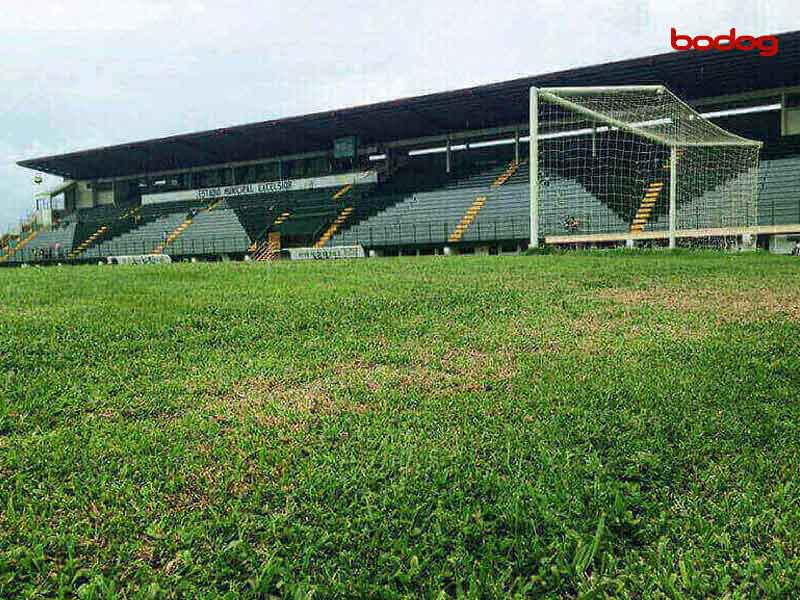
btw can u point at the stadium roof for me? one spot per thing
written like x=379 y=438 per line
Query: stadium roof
x=692 y=75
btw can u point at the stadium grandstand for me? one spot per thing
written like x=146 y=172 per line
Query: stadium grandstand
x=441 y=173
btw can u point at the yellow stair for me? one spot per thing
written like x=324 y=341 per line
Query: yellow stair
x=467 y=219
x=81 y=248
x=258 y=247
x=178 y=231
x=343 y=191
x=480 y=201
x=269 y=249
x=343 y=216
x=507 y=174
x=651 y=195
x=647 y=205
x=12 y=251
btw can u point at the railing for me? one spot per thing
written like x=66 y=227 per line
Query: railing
x=432 y=232
x=177 y=249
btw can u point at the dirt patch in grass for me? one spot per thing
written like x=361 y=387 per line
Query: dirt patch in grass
x=727 y=304
x=273 y=402
x=358 y=387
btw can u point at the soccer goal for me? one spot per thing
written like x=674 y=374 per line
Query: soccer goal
x=635 y=162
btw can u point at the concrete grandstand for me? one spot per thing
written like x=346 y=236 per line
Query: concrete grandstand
x=445 y=172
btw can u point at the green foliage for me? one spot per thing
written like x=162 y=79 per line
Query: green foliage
x=615 y=424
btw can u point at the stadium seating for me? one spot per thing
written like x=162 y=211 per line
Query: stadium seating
x=218 y=231
x=47 y=245
x=486 y=199
x=255 y=213
x=779 y=191
x=14 y=250
x=424 y=214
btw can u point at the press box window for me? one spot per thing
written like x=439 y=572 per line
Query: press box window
x=790 y=115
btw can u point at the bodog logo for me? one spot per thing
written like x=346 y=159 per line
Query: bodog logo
x=767 y=45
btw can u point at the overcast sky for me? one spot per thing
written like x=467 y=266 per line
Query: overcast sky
x=76 y=74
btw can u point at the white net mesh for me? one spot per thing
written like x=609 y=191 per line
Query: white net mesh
x=604 y=164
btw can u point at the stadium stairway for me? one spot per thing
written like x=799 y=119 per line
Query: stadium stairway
x=12 y=251
x=343 y=191
x=61 y=236
x=422 y=207
x=651 y=196
x=96 y=225
x=343 y=216
x=646 y=206
x=269 y=249
x=265 y=249
x=178 y=231
x=480 y=201
x=216 y=231
x=340 y=218
x=80 y=248
x=467 y=219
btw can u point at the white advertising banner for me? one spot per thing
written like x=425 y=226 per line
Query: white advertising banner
x=326 y=253
x=140 y=259
x=264 y=187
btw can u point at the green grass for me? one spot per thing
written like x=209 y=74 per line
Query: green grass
x=587 y=424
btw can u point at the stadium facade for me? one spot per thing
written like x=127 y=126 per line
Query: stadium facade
x=445 y=172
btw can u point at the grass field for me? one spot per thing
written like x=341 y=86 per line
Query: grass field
x=607 y=424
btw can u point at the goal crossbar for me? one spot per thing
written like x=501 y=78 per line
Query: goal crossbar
x=550 y=95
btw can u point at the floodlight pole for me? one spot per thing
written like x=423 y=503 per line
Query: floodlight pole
x=673 y=188
x=533 y=157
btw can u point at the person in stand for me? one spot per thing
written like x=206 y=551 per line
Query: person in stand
x=796 y=249
x=571 y=224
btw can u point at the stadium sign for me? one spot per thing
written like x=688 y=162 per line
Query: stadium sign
x=326 y=253
x=264 y=187
x=140 y=259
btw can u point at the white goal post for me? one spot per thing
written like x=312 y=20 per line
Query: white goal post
x=628 y=162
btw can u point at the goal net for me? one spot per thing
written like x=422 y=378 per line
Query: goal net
x=635 y=162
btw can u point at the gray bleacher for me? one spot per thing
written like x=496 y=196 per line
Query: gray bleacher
x=422 y=218
x=142 y=240
x=212 y=232
x=63 y=236
x=506 y=214
x=779 y=191
x=42 y=247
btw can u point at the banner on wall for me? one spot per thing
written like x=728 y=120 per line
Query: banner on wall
x=264 y=187
x=140 y=259
x=333 y=252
